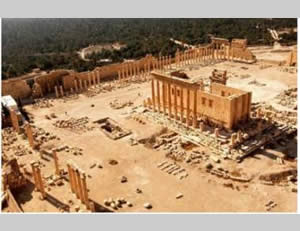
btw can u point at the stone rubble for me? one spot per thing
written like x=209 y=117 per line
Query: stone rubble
x=288 y=98
x=117 y=104
x=76 y=125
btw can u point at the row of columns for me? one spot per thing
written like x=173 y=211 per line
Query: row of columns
x=162 y=63
x=78 y=185
x=36 y=171
x=193 y=56
x=133 y=70
x=240 y=54
x=220 y=51
x=165 y=101
x=215 y=52
x=161 y=104
x=79 y=85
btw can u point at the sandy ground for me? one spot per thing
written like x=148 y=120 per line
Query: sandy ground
x=201 y=191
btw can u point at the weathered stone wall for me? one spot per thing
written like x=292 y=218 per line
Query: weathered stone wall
x=48 y=81
x=19 y=87
x=224 y=90
x=16 y=88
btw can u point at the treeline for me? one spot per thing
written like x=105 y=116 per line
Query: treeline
x=53 y=43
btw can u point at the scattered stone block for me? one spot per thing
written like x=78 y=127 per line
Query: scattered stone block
x=124 y=179
x=179 y=195
x=147 y=206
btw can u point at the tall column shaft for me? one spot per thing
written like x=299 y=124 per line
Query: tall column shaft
x=175 y=102
x=36 y=181
x=153 y=95
x=195 y=109
x=164 y=97
x=181 y=104
x=169 y=100
x=56 y=92
x=158 y=95
x=188 y=108
x=78 y=178
x=85 y=191
x=71 y=178
x=41 y=184
x=30 y=135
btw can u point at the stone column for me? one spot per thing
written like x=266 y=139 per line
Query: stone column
x=188 y=108
x=85 y=191
x=14 y=120
x=56 y=165
x=89 y=79
x=153 y=95
x=185 y=58
x=61 y=90
x=71 y=178
x=39 y=177
x=76 y=185
x=71 y=90
x=175 y=102
x=119 y=76
x=164 y=97
x=145 y=69
x=122 y=73
x=139 y=70
x=181 y=104
x=169 y=100
x=134 y=69
x=76 y=86
x=97 y=78
x=80 y=85
x=127 y=72
x=195 y=110
x=149 y=66
x=30 y=135
x=158 y=95
x=56 y=92
x=35 y=177
x=94 y=77
x=79 y=183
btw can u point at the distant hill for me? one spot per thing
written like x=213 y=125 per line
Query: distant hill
x=54 y=43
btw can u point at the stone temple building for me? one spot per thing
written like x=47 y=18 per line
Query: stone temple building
x=181 y=99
